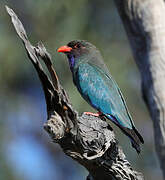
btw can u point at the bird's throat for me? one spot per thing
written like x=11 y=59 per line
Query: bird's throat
x=71 y=61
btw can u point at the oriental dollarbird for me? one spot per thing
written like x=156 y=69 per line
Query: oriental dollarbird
x=97 y=87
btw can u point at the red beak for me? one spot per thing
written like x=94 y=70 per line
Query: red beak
x=64 y=49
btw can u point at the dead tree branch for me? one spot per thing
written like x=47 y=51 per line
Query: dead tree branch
x=87 y=139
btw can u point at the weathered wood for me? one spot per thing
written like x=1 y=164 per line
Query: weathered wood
x=144 y=21
x=87 y=139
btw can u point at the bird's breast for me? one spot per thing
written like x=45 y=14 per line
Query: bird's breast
x=91 y=86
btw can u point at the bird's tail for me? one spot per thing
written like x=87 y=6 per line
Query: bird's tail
x=134 y=135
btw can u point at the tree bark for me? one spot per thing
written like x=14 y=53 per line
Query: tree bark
x=144 y=22
x=87 y=139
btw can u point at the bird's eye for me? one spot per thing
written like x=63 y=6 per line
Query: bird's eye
x=77 y=46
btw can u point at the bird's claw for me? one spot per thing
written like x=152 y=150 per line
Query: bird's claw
x=93 y=114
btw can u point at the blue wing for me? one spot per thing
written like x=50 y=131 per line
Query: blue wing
x=101 y=91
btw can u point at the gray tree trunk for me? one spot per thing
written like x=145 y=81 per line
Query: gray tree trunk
x=144 y=22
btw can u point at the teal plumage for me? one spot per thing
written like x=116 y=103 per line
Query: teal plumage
x=97 y=87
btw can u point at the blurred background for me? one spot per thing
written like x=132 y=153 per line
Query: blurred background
x=26 y=151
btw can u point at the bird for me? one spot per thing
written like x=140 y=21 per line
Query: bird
x=96 y=85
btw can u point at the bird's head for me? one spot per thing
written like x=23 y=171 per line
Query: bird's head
x=77 y=50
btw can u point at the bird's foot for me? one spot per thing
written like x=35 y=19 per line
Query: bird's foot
x=93 y=114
